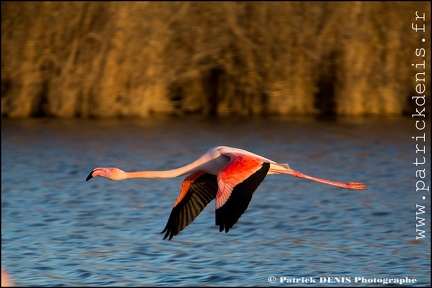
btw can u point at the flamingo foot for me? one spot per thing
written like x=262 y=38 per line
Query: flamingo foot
x=356 y=186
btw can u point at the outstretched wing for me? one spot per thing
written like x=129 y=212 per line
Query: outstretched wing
x=237 y=182
x=198 y=189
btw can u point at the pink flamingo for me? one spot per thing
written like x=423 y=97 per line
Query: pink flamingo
x=229 y=175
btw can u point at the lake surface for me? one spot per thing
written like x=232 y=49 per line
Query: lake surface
x=59 y=230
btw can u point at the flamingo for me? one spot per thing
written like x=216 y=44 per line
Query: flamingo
x=228 y=175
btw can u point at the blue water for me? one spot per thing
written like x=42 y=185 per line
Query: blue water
x=59 y=230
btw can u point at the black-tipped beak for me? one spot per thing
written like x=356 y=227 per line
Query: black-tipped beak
x=90 y=176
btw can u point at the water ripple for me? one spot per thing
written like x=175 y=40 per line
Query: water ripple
x=58 y=230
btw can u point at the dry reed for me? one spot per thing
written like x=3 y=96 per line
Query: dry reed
x=121 y=59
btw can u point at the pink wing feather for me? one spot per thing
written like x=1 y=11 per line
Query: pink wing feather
x=239 y=169
x=236 y=184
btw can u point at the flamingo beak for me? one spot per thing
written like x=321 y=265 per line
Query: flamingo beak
x=90 y=176
x=102 y=172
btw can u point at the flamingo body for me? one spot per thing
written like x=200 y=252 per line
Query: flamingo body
x=228 y=175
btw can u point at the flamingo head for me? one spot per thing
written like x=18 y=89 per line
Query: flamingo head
x=110 y=173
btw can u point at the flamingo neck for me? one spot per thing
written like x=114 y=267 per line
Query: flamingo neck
x=208 y=163
x=157 y=174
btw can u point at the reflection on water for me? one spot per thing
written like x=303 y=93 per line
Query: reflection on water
x=59 y=230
